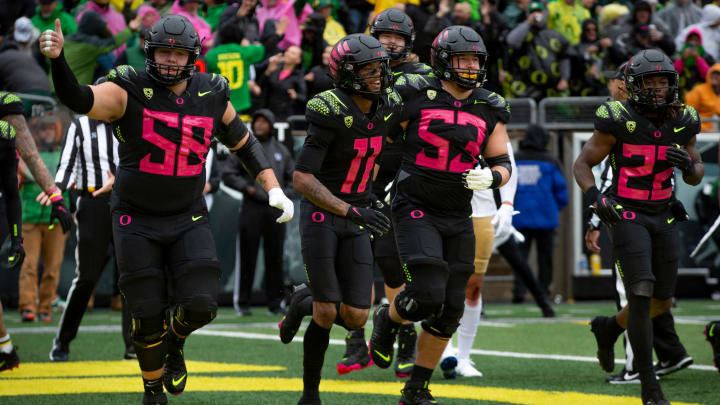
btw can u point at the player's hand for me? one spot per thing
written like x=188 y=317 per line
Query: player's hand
x=679 y=158
x=51 y=42
x=279 y=200
x=503 y=221
x=591 y=240
x=608 y=210
x=310 y=77
x=59 y=211
x=478 y=179
x=292 y=94
x=16 y=253
x=372 y=219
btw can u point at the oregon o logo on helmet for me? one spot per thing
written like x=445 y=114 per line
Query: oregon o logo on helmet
x=171 y=41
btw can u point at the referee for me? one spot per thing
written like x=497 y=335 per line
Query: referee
x=89 y=155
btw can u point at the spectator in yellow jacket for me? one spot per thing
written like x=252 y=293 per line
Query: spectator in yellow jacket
x=705 y=97
x=566 y=17
x=334 y=31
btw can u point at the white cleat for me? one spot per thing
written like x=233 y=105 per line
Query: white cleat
x=465 y=368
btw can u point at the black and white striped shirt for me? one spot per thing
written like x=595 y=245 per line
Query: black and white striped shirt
x=90 y=151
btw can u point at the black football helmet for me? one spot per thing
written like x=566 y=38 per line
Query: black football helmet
x=394 y=21
x=350 y=55
x=176 y=32
x=457 y=40
x=646 y=63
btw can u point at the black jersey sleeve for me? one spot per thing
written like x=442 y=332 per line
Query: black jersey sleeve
x=692 y=120
x=604 y=119
x=500 y=107
x=10 y=104
x=406 y=86
x=126 y=77
x=320 y=134
x=220 y=87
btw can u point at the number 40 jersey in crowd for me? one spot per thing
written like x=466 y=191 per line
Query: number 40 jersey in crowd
x=163 y=141
x=443 y=139
x=642 y=175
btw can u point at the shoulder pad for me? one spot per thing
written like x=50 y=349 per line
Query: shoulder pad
x=331 y=100
x=393 y=97
x=691 y=113
x=611 y=116
x=498 y=102
x=218 y=82
x=125 y=73
x=410 y=83
x=7 y=131
x=214 y=82
x=10 y=104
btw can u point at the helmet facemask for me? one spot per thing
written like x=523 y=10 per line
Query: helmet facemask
x=175 y=73
x=651 y=96
x=397 y=53
x=359 y=83
x=451 y=71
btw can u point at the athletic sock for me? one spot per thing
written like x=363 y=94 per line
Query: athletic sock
x=315 y=345
x=468 y=329
x=641 y=335
x=6 y=345
x=153 y=387
x=420 y=377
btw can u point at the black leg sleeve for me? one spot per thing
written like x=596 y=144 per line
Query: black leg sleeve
x=640 y=333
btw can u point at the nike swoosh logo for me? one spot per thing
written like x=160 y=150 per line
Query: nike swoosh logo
x=204 y=93
x=194 y=218
x=630 y=377
x=678 y=129
x=670 y=220
x=386 y=358
x=404 y=366
x=387 y=117
x=178 y=381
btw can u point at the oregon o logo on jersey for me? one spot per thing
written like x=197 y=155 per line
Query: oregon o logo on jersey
x=348 y=121
x=630 y=126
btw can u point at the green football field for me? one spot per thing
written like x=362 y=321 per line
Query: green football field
x=525 y=359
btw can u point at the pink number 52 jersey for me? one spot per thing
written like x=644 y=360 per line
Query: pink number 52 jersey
x=164 y=139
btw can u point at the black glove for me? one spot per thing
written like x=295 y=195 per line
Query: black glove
x=372 y=219
x=679 y=158
x=16 y=253
x=60 y=213
x=608 y=210
x=678 y=210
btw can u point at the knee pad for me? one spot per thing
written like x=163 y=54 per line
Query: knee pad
x=392 y=271
x=148 y=335
x=415 y=309
x=186 y=320
x=642 y=288
x=444 y=325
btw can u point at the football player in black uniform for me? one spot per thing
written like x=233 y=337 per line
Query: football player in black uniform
x=11 y=219
x=164 y=118
x=347 y=127
x=646 y=137
x=451 y=121
x=396 y=33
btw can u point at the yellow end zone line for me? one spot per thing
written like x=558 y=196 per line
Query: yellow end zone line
x=121 y=367
x=55 y=386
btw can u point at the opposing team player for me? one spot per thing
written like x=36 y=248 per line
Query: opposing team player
x=164 y=118
x=646 y=138
x=396 y=33
x=346 y=132
x=451 y=121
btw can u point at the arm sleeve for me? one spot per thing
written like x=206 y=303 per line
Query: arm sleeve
x=66 y=167
x=517 y=35
x=565 y=68
x=8 y=171
x=507 y=192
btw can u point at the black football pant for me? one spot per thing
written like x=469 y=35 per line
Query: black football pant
x=93 y=250
x=544 y=247
x=257 y=220
x=512 y=252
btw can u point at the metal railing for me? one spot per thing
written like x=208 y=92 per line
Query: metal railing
x=568 y=113
x=523 y=111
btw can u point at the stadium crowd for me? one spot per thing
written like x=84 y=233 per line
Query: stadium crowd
x=277 y=57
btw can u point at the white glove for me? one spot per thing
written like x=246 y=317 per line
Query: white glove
x=503 y=222
x=280 y=201
x=478 y=179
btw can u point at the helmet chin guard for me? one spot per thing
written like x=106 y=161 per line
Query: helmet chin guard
x=173 y=32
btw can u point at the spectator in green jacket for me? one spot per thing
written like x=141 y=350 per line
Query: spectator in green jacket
x=92 y=40
x=212 y=14
x=46 y=13
x=135 y=55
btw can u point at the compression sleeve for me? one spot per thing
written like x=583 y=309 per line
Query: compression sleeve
x=78 y=98
x=252 y=156
x=507 y=192
x=8 y=171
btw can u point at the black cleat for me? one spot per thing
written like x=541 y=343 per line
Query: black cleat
x=417 y=396
x=605 y=344
x=383 y=337
x=175 y=373
x=547 y=310
x=712 y=335
x=662 y=368
x=9 y=361
x=654 y=396
x=290 y=323
x=407 y=340
x=304 y=401
x=60 y=351
x=624 y=377
x=356 y=355
x=130 y=353
x=154 y=399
